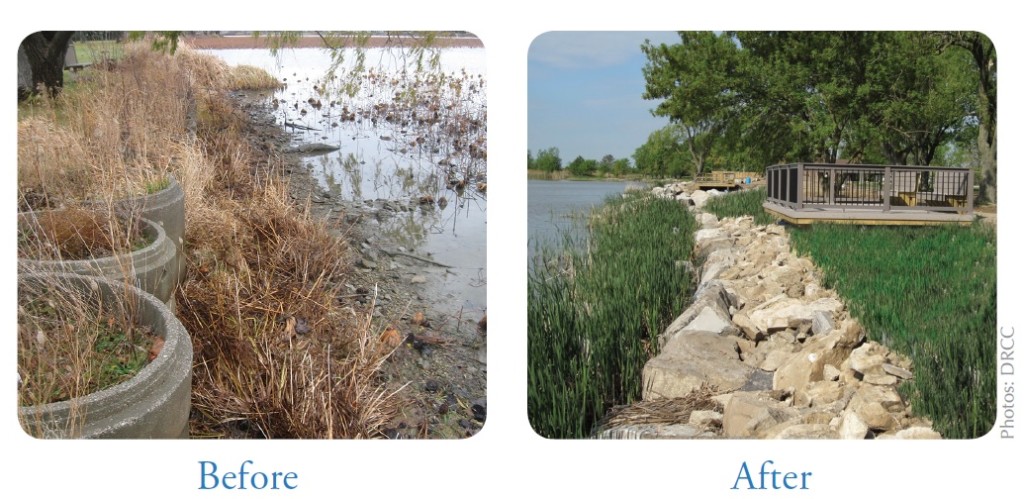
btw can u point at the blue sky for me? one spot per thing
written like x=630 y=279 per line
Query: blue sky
x=585 y=93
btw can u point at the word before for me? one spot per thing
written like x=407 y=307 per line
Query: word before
x=798 y=481
x=274 y=480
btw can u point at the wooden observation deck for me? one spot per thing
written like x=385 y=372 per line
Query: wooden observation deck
x=805 y=193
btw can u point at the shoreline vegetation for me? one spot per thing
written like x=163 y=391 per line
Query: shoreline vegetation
x=282 y=349
x=595 y=312
x=566 y=175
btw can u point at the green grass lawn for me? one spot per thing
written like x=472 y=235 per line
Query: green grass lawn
x=89 y=52
x=929 y=293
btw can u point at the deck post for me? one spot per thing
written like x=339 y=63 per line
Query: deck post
x=887 y=188
x=800 y=186
x=785 y=185
x=970 y=191
x=831 y=186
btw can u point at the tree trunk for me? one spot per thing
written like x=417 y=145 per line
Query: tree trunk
x=987 y=151
x=44 y=52
x=987 y=126
x=984 y=55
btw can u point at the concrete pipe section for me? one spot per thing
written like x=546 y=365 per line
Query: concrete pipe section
x=155 y=403
x=166 y=208
x=153 y=268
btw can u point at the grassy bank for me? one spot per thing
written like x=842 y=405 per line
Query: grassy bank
x=545 y=175
x=927 y=292
x=739 y=204
x=595 y=312
x=281 y=348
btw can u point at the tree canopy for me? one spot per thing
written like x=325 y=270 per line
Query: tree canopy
x=695 y=79
x=663 y=154
x=864 y=97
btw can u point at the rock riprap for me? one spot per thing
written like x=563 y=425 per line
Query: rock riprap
x=776 y=352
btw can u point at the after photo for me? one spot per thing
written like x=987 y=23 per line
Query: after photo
x=762 y=235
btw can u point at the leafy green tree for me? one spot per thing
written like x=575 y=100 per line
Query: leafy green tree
x=620 y=166
x=529 y=160
x=814 y=85
x=697 y=82
x=548 y=160
x=743 y=99
x=664 y=155
x=581 y=167
x=925 y=96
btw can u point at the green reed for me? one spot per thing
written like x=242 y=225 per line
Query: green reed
x=930 y=293
x=597 y=303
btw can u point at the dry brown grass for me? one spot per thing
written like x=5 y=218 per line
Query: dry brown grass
x=279 y=353
x=73 y=340
x=665 y=411
x=251 y=78
x=112 y=134
x=76 y=234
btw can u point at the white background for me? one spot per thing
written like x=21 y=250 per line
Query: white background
x=507 y=458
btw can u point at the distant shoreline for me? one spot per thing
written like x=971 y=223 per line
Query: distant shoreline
x=313 y=41
x=565 y=175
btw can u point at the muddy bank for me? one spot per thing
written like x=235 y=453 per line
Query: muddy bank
x=439 y=367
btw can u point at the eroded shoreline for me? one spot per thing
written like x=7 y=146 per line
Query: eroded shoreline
x=439 y=368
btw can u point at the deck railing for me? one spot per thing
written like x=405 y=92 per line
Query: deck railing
x=802 y=186
x=725 y=176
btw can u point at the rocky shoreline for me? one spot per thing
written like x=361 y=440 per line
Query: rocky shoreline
x=765 y=351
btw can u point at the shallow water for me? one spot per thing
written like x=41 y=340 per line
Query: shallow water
x=554 y=207
x=403 y=139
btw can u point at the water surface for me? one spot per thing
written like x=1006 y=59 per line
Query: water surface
x=415 y=139
x=556 y=207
